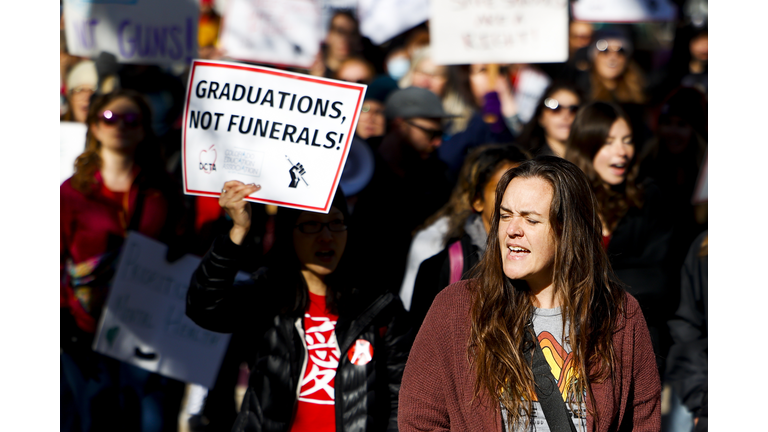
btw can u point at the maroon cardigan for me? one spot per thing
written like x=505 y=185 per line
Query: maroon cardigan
x=437 y=388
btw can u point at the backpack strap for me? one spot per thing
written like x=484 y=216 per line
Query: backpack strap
x=456 y=258
x=552 y=404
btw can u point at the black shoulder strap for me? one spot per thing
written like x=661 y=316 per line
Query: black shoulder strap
x=547 y=392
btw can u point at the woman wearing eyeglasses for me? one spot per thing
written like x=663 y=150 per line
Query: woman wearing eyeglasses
x=119 y=185
x=327 y=350
x=548 y=130
x=636 y=229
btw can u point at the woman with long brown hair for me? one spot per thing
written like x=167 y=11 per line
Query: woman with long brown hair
x=546 y=276
x=636 y=228
x=119 y=185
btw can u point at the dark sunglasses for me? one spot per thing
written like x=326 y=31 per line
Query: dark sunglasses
x=555 y=106
x=314 y=227
x=432 y=133
x=603 y=47
x=129 y=119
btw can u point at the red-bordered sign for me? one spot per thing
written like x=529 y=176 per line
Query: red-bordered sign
x=197 y=67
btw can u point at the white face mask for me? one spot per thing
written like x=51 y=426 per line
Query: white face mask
x=397 y=67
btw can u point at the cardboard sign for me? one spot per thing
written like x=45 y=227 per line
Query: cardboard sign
x=381 y=20
x=623 y=11
x=71 y=145
x=530 y=84
x=288 y=132
x=144 y=32
x=144 y=321
x=282 y=32
x=499 y=31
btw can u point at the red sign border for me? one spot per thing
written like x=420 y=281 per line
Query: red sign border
x=259 y=69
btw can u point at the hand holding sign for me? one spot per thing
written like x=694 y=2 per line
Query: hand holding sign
x=231 y=200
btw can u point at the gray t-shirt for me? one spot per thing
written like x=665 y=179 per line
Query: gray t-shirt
x=548 y=326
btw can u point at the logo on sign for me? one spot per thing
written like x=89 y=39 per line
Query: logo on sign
x=208 y=160
x=361 y=353
x=297 y=172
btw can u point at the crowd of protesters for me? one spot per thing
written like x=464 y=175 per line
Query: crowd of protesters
x=417 y=210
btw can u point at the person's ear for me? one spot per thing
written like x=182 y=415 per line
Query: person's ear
x=478 y=205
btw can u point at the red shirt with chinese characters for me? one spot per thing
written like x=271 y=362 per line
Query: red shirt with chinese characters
x=316 y=407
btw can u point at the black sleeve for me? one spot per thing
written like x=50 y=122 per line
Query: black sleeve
x=398 y=340
x=214 y=301
x=687 y=364
x=430 y=280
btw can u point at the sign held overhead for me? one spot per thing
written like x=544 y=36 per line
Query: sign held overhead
x=499 y=31
x=142 y=32
x=288 y=132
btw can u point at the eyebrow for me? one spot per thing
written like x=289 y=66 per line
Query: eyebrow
x=522 y=212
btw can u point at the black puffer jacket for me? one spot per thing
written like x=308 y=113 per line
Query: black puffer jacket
x=366 y=395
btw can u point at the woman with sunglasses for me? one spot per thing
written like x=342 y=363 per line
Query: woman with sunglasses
x=327 y=350
x=612 y=75
x=636 y=229
x=119 y=185
x=548 y=130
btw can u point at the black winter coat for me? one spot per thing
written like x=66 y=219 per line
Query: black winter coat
x=366 y=395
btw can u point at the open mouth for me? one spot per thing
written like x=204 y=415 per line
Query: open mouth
x=618 y=168
x=325 y=256
x=518 y=251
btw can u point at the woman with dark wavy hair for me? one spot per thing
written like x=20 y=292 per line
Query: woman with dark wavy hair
x=636 y=231
x=119 y=185
x=546 y=276
x=548 y=130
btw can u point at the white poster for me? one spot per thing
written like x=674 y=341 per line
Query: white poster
x=288 y=132
x=381 y=20
x=623 y=11
x=281 y=32
x=71 y=145
x=135 y=31
x=499 y=31
x=144 y=321
x=529 y=86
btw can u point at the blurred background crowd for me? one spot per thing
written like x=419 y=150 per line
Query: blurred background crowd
x=628 y=106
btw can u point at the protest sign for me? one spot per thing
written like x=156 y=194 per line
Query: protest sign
x=499 y=31
x=290 y=133
x=381 y=20
x=144 y=323
x=282 y=32
x=623 y=11
x=143 y=32
x=71 y=145
x=529 y=86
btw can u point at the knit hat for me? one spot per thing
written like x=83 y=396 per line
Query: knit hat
x=615 y=33
x=415 y=102
x=83 y=73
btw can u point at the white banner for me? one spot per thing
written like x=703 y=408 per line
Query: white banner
x=623 y=11
x=144 y=321
x=288 y=132
x=381 y=20
x=499 y=31
x=144 y=32
x=282 y=32
x=71 y=145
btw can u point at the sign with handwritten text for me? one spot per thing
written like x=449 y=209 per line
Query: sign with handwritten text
x=281 y=32
x=289 y=133
x=499 y=31
x=144 y=323
x=142 y=32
